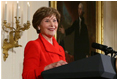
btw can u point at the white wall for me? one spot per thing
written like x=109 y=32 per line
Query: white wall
x=12 y=67
x=110 y=24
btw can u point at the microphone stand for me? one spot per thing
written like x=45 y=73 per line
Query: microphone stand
x=111 y=51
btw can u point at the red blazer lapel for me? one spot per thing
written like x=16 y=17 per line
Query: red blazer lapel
x=55 y=48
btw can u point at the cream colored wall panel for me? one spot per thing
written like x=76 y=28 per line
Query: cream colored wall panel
x=110 y=24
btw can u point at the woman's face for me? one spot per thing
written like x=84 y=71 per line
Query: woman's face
x=48 y=26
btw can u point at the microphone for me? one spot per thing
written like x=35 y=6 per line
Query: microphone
x=104 y=48
x=99 y=46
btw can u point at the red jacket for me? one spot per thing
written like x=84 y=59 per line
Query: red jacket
x=38 y=54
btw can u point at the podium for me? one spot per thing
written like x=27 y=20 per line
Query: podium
x=95 y=67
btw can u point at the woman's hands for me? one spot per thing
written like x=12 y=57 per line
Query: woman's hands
x=56 y=64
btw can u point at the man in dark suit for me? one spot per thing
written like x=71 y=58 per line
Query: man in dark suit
x=81 y=39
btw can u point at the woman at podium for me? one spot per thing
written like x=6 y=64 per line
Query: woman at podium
x=43 y=53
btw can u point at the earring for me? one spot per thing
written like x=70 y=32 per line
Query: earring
x=38 y=28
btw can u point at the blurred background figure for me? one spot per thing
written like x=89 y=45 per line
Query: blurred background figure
x=81 y=39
